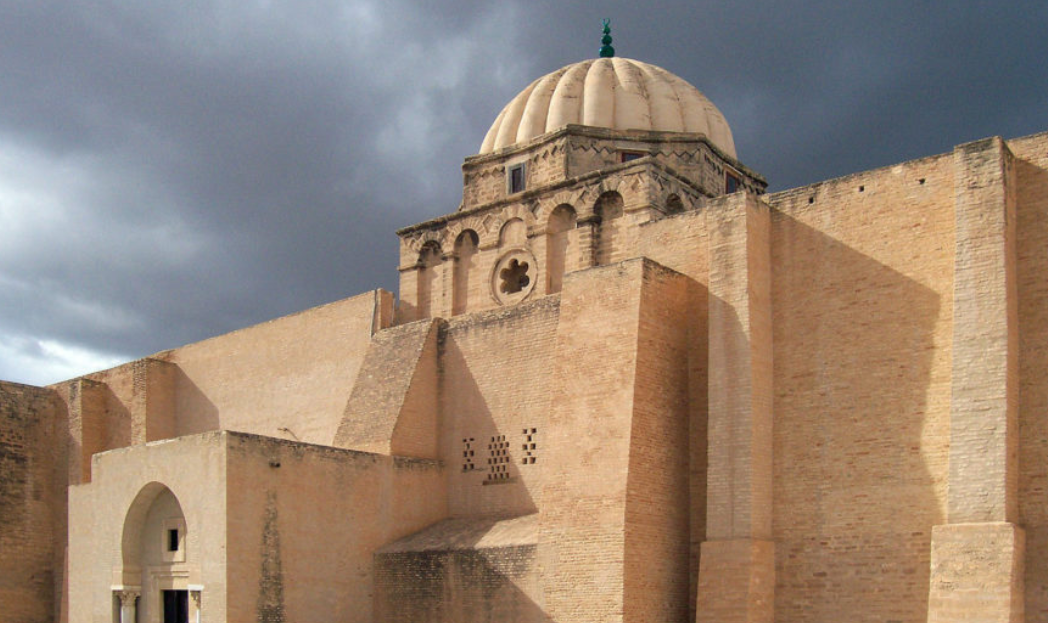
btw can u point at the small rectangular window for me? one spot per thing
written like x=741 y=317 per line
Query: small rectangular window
x=626 y=156
x=731 y=183
x=172 y=540
x=516 y=178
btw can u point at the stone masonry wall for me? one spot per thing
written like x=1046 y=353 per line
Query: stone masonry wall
x=680 y=242
x=977 y=555
x=737 y=563
x=289 y=377
x=657 y=582
x=1031 y=174
x=305 y=521
x=578 y=150
x=461 y=571
x=694 y=160
x=129 y=404
x=495 y=371
x=466 y=586
x=83 y=402
x=861 y=301
x=582 y=533
x=484 y=180
x=394 y=407
x=29 y=500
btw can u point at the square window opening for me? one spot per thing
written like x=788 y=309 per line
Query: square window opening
x=516 y=178
x=731 y=183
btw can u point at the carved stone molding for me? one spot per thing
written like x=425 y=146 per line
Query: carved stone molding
x=514 y=276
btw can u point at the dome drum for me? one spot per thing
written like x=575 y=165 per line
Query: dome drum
x=574 y=150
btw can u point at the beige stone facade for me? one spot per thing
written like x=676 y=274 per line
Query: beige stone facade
x=620 y=383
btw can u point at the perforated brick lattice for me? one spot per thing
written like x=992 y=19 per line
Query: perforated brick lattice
x=528 y=446
x=498 y=459
x=467 y=455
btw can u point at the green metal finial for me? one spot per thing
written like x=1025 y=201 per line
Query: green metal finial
x=606 y=51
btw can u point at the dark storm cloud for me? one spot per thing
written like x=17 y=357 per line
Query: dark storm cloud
x=174 y=170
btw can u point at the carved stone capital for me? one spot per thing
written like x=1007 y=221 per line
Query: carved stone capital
x=127 y=596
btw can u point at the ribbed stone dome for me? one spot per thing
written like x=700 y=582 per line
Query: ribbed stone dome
x=615 y=93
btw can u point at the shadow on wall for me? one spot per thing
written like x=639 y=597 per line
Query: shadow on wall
x=491 y=481
x=854 y=433
x=698 y=429
x=117 y=421
x=480 y=565
x=1032 y=227
x=665 y=524
x=194 y=412
x=444 y=575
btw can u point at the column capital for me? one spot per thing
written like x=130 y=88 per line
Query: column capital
x=127 y=594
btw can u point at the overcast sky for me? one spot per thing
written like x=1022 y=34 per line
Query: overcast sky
x=173 y=170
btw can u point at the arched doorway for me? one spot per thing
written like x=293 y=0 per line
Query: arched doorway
x=156 y=559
